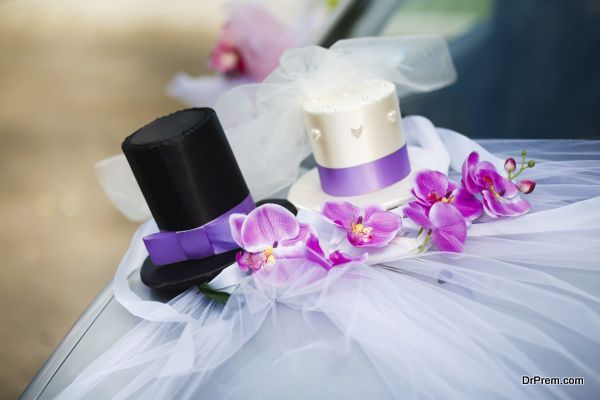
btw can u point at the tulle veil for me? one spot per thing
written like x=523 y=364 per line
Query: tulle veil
x=522 y=300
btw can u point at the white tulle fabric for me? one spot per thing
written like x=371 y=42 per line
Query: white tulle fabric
x=523 y=299
x=121 y=188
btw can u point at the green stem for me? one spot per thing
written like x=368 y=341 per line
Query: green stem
x=423 y=246
x=520 y=171
x=523 y=168
x=420 y=231
x=332 y=4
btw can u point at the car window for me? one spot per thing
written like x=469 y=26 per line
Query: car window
x=444 y=17
x=526 y=68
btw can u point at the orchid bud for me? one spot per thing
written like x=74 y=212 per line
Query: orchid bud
x=526 y=186
x=531 y=163
x=524 y=153
x=510 y=165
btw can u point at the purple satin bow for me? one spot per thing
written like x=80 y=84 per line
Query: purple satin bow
x=365 y=178
x=168 y=247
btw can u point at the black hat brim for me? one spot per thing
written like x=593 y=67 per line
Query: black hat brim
x=180 y=276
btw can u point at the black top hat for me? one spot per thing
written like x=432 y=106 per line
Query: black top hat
x=189 y=177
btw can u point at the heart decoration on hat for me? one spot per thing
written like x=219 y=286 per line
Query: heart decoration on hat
x=360 y=151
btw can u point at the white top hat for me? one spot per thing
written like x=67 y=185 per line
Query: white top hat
x=342 y=102
x=359 y=147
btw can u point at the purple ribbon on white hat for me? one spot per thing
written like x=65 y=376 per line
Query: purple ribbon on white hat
x=367 y=177
x=214 y=237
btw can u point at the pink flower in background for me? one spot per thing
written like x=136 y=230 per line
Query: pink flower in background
x=315 y=253
x=251 y=42
x=226 y=58
x=445 y=225
x=500 y=194
x=371 y=227
x=431 y=187
x=268 y=233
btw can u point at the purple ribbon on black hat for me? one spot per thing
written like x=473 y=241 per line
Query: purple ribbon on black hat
x=169 y=247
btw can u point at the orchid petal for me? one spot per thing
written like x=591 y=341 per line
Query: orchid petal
x=468 y=168
x=342 y=213
x=235 y=226
x=496 y=206
x=289 y=252
x=449 y=227
x=501 y=185
x=452 y=186
x=314 y=252
x=385 y=226
x=303 y=234
x=417 y=199
x=486 y=165
x=429 y=185
x=312 y=243
x=338 y=258
x=446 y=241
x=260 y=37
x=241 y=261
x=468 y=205
x=504 y=185
x=380 y=219
x=418 y=214
x=249 y=261
x=355 y=240
x=266 y=225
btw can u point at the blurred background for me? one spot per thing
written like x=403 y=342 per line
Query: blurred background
x=77 y=77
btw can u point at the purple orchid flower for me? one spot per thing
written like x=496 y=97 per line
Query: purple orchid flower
x=371 y=227
x=444 y=223
x=500 y=194
x=469 y=169
x=315 y=253
x=266 y=234
x=431 y=187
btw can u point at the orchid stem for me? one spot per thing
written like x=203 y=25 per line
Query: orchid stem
x=420 y=231
x=423 y=246
x=523 y=167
